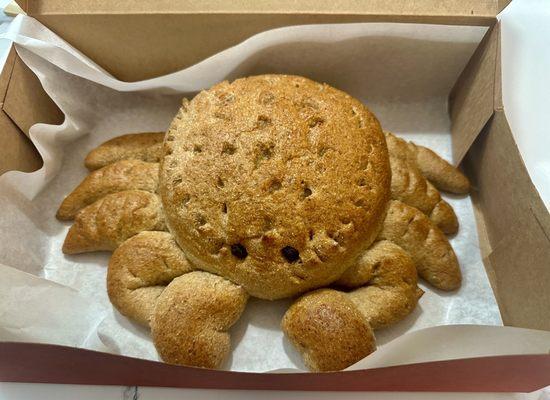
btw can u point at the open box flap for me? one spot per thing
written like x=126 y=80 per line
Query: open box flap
x=21 y=154
x=513 y=222
x=373 y=7
x=515 y=232
x=125 y=37
x=476 y=94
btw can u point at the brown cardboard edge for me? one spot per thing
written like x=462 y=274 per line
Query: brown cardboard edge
x=513 y=226
x=18 y=151
x=131 y=47
x=472 y=99
x=468 y=8
x=26 y=102
x=44 y=363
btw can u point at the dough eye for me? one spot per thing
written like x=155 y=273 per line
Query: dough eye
x=290 y=254
x=239 y=251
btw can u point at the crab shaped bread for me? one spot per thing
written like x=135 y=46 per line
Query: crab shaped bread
x=271 y=186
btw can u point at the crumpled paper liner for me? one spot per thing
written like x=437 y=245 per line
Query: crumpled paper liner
x=403 y=72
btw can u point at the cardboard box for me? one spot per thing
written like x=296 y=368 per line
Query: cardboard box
x=514 y=227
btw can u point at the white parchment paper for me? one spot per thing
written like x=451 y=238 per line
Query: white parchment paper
x=403 y=72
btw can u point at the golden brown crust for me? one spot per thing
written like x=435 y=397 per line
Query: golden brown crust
x=328 y=330
x=139 y=270
x=192 y=317
x=444 y=217
x=116 y=177
x=434 y=257
x=145 y=146
x=410 y=186
x=442 y=174
x=389 y=289
x=438 y=171
x=292 y=171
x=108 y=222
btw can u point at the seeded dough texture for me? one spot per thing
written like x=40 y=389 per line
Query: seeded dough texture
x=328 y=330
x=106 y=223
x=140 y=269
x=133 y=146
x=427 y=245
x=409 y=186
x=192 y=317
x=272 y=162
x=116 y=177
x=386 y=281
x=435 y=169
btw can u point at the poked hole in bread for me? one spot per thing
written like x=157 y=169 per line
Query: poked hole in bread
x=228 y=148
x=359 y=203
x=266 y=97
x=263 y=121
x=323 y=149
x=315 y=121
x=200 y=220
x=177 y=181
x=336 y=237
x=264 y=152
x=274 y=185
x=345 y=220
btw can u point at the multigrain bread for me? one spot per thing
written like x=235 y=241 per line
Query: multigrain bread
x=427 y=245
x=276 y=182
x=278 y=185
x=386 y=281
x=192 y=318
x=106 y=223
x=116 y=177
x=140 y=269
x=134 y=146
x=438 y=171
x=328 y=330
x=409 y=186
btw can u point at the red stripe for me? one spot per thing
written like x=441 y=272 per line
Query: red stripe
x=43 y=363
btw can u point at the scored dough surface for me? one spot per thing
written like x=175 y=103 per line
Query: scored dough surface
x=275 y=182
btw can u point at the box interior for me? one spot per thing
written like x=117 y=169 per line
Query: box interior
x=514 y=225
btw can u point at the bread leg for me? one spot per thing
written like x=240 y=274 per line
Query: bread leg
x=333 y=329
x=328 y=330
x=192 y=317
x=108 y=222
x=386 y=282
x=444 y=217
x=438 y=171
x=116 y=177
x=135 y=146
x=140 y=269
x=409 y=186
x=433 y=256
